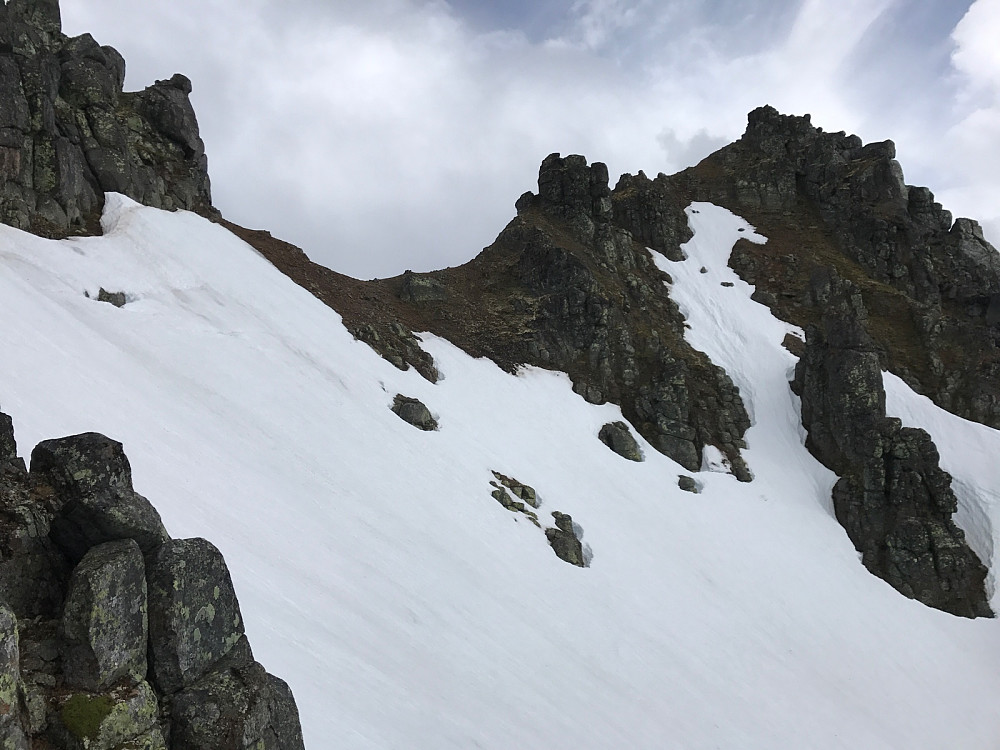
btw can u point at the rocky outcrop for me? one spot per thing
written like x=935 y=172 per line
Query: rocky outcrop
x=827 y=200
x=69 y=133
x=893 y=499
x=113 y=635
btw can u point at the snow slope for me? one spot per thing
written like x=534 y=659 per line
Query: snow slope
x=407 y=608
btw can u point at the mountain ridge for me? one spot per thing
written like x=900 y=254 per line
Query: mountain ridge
x=587 y=286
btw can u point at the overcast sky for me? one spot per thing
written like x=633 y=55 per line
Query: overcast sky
x=393 y=134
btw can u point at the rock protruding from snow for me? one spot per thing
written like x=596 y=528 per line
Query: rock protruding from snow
x=564 y=540
x=91 y=479
x=194 y=617
x=893 y=499
x=68 y=132
x=414 y=411
x=104 y=623
x=618 y=437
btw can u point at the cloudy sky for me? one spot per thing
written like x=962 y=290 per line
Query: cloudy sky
x=393 y=134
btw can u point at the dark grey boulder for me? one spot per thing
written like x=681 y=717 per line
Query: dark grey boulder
x=237 y=706
x=89 y=481
x=12 y=734
x=118 y=299
x=688 y=484
x=194 y=617
x=414 y=411
x=564 y=540
x=618 y=438
x=104 y=623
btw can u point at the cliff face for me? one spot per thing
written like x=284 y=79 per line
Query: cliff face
x=112 y=634
x=68 y=132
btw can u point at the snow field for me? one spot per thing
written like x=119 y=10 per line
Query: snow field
x=405 y=606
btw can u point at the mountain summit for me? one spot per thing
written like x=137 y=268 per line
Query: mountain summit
x=703 y=460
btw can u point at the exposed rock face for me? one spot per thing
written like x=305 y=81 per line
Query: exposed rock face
x=68 y=132
x=892 y=498
x=618 y=438
x=826 y=200
x=124 y=649
x=562 y=288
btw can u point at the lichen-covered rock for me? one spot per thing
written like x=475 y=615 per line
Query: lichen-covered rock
x=617 y=437
x=237 y=706
x=892 y=498
x=564 y=540
x=194 y=616
x=109 y=720
x=89 y=481
x=414 y=412
x=12 y=734
x=104 y=623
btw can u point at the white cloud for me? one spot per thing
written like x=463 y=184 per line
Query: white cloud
x=392 y=134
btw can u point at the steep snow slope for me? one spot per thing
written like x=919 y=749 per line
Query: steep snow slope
x=404 y=605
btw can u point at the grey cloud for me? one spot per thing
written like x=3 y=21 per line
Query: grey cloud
x=396 y=134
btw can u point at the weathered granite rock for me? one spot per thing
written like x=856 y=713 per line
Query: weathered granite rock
x=125 y=717
x=564 y=540
x=104 y=623
x=414 y=412
x=893 y=499
x=237 y=706
x=68 y=132
x=12 y=734
x=617 y=437
x=90 y=480
x=194 y=617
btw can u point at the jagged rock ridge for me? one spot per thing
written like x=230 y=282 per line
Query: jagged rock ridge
x=112 y=634
x=69 y=133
